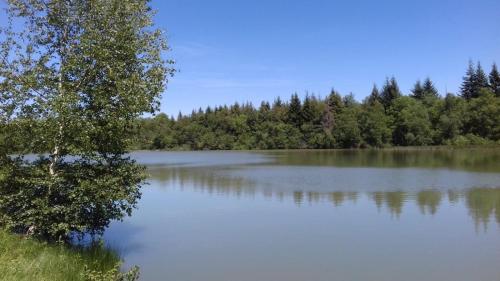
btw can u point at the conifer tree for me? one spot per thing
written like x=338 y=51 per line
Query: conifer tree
x=334 y=101
x=495 y=80
x=429 y=89
x=481 y=78
x=390 y=92
x=235 y=108
x=341 y=122
x=264 y=111
x=349 y=100
x=417 y=91
x=473 y=81
x=467 y=90
x=294 y=110
x=307 y=112
x=374 y=95
x=277 y=102
x=264 y=106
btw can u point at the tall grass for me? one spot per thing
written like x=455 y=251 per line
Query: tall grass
x=29 y=259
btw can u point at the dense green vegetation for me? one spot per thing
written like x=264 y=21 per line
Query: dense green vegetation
x=28 y=259
x=74 y=77
x=385 y=118
x=85 y=72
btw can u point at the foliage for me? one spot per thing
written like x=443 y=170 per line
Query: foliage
x=411 y=122
x=385 y=118
x=494 y=78
x=468 y=140
x=450 y=118
x=390 y=92
x=474 y=80
x=418 y=90
x=113 y=274
x=375 y=125
x=483 y=115
x=81 y=199
x=73 y=80
x=29 y=259
x=346 y=131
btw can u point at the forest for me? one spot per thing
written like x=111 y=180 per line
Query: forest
x=385 y=118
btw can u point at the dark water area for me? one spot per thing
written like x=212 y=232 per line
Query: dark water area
x=431 y=214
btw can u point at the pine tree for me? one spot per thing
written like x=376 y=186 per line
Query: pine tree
x=235 y=108
x=495 y=80
x=468 y=84
x=374 y=96
x=481 y=78
x=390 y=92
x=334 y=101
x=264 y=106
x=277 y=102
x=349 y=100
x=294 y=110
x=264 y=111
x=307 y=112
x=417 y=91
x=429 y=89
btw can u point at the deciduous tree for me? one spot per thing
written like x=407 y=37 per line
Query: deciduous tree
x=76 y=74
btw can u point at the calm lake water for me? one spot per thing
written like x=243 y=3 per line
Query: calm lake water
x=316 y=215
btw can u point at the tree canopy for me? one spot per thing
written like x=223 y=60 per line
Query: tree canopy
x=73 y=79
x=385 y=118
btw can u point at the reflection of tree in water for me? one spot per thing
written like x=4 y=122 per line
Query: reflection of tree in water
x=482 y=203
x=429 y=200
x=379 y=199
x=477 y=159
x=298 y=197
x=394 y=201
x=204 y=179
x=454 y=196
x=337 y=198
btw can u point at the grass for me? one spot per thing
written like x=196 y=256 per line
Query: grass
x=29 y=259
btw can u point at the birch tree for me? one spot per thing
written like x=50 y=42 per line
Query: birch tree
x=74 y=75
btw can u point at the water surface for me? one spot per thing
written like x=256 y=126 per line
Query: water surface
x=316 y=215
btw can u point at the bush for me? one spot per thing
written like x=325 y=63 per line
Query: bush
x=113 y=274
x=83 y=198
x=469 y=139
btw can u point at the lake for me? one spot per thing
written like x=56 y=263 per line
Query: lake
x=427 y=214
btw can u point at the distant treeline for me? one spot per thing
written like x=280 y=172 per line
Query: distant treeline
x=386 y=117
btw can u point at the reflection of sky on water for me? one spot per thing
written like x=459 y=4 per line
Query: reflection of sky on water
x=223 y=218
x=181 y=234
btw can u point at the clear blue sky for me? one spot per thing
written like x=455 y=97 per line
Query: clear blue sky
x=230 y=51
x=242 y=50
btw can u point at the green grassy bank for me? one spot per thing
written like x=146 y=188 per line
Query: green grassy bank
x=29 y=259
